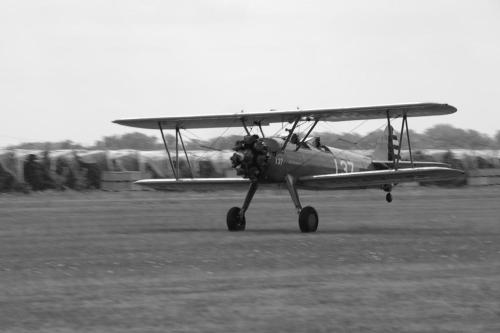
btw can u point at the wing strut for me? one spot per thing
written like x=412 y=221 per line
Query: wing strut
x=260 y=127
x=405 y=119
x=168 y=151
x=308 y=132
x=185 y=153
x=391 y=141
x=178 y=137
x=245 y=126
x=177 y=150
x=290 y=134
x=396 y=158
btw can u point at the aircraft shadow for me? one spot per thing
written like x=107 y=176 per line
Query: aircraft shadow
x=398 y=231
x=206 y=230
x=388 y=231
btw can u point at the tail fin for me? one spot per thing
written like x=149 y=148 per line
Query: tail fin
x=387 y=146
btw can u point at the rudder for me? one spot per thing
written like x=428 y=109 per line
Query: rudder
x=387 y=146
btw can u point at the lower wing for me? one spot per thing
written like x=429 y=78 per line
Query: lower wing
x=377 y=177
x=407 y=164
x=326 y=181
x=194 y=183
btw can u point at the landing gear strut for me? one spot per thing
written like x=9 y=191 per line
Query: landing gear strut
x=308 y=217
x=236 y=216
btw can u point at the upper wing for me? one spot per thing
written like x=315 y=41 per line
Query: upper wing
x=378 y=177
x=266 y=118
x=193 y=183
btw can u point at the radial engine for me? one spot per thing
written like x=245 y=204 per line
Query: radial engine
x=251 y=157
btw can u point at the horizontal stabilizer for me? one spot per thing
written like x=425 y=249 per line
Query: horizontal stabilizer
x=378 y=177
x=194 y=183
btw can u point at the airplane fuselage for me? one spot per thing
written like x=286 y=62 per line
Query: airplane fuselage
x=306 y=159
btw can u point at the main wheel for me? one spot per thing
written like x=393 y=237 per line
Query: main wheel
x=234 y=221
x=388 y=197
x=308 y=219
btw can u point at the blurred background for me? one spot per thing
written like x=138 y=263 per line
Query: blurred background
x=68 y=68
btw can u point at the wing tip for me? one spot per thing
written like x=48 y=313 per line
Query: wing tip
x=145 y=123
x=120 y=122
x=450 y=108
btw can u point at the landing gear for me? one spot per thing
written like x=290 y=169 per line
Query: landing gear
x=388 y=188
x=236 y=215
x=235 y=221
x=308 y=217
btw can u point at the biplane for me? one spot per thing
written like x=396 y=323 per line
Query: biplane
x=303 y=162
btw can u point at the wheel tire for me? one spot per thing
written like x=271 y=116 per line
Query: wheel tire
x=388 y=197
x=234 y=222
x=308 y=219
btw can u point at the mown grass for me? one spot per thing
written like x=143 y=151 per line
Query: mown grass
x=163 y=262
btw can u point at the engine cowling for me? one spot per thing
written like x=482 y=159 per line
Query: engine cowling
x=251 y=157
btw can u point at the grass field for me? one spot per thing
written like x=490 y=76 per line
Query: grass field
x=164 y=262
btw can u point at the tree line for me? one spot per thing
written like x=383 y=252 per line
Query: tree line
x=437 y=137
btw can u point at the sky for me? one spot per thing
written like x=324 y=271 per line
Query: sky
x=68 y=68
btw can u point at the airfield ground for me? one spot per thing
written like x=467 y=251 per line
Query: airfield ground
x=164 y=262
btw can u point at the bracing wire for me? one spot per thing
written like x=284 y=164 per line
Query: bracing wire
x=203 y=155
x=355 y=128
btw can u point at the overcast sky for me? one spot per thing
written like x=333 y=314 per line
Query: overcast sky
x=68 y=68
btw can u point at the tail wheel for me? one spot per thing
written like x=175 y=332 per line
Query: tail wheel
x=235 y=222
x=308 y=219
x=388 y=197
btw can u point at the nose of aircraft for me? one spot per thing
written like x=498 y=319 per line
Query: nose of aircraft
x=251 y=157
